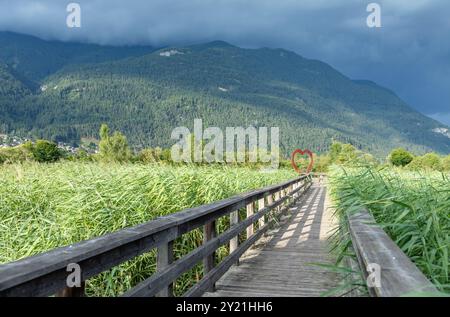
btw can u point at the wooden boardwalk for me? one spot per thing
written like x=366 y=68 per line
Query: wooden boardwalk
x=282 y=262
x=273 y=262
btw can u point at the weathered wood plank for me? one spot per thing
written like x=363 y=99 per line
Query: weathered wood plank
x=398 y=276
x=209 y=279
x=234 y=220
x=283 y=264
x=209 y=260
x=261 y=207
x=164 y=259
x=72 y=291
x=215 y=274
x=250 y=211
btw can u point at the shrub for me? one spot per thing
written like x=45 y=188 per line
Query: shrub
x=15 y=154
x=45 y=151
x=400 y=157
x=446 y=163
x=432 y=161
x=150 y=155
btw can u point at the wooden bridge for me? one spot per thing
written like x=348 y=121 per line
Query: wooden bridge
x=276 y=236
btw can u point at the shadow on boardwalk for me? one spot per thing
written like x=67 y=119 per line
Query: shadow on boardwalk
x=281 y=263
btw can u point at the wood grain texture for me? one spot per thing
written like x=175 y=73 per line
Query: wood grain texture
x=282 y=263
x=164 y=259
x=163 y=277
x=398 y=274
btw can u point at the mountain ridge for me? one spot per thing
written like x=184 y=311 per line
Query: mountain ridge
x=148 y=94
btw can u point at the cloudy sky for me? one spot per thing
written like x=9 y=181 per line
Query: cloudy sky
x=410 y=53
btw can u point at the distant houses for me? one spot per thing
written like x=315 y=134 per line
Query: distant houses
x=7 y=141
x=11 y=141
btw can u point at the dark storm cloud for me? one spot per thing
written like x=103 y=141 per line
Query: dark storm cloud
x=409 y=54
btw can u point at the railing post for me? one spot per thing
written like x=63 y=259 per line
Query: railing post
x=282 y=194
x=277 y=198
x=260 y=207
x=209 y=232
x=250 y=212
x=234 y=243
x=270 y=201
x=72 y=291
x=165 y=258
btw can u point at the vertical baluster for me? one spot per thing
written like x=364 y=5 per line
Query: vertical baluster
x=72 y=291
x=277 y=198
x=165 y=258
x=270 y=202
x=209 y=232
x=250 y=212
x=260 y=207
x=234 y=243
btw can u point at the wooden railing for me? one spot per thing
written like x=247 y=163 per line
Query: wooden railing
x=398 y=275
x=46 y=274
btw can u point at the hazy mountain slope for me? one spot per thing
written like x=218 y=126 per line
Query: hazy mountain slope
x=13 y=89
x=147 y=96
x=36 y=58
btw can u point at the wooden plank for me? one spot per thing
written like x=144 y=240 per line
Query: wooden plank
x=164 y=259
x=234 y=220
x=250 y=211
x=46 y=276
x=277 y=197
x=282 y=265
x=168 y=274
x=217 y=272
x=72 y=291
x=270 y=201
x=398 y=276
x=209 y=233
x=209 y=279
x=261 y=207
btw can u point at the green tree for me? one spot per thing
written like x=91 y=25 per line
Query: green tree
x=400 y=157
x=335 y=150
x=45 y=151
x=113 y=147
x=348 y=154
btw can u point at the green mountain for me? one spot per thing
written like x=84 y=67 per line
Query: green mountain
x=146 y=94
x=37 y=59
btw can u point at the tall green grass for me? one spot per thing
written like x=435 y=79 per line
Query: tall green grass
x=413 y=208
x=47 y=206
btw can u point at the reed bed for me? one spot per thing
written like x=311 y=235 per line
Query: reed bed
x=412 y=207
x=47 y=206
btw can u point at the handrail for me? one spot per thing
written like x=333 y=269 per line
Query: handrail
x=45 y=274
x=398 y=275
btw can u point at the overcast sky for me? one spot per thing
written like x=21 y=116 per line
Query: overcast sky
x=410 y=53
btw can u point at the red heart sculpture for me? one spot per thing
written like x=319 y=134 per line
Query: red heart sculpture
x=302 y=152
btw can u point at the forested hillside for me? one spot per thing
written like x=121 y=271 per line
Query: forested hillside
x=147 y=94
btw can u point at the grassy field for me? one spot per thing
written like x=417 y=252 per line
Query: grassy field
x=47 y=206
x=413 y=208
